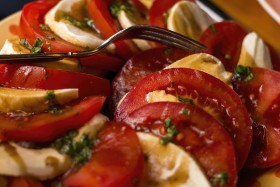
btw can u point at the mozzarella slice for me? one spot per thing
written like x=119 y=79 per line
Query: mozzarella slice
x=66 y=30
x=126 y=21
x=147 y=3
x=43 y=163
x=12 y=46
x=188 y=19
x=29 y=101
x=169 y=165
x=254 y=52
x=206 y=63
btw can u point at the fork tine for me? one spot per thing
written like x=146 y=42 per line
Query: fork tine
x=170 y=43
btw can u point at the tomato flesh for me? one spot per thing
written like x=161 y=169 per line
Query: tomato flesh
x=23 y=182
x=224 y=40
x=205 y=91
x=33 y=77
x=117 y=160
x=140 y=66
x=199 y=133
x=261 y=96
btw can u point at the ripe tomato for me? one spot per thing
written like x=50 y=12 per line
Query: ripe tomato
x=157 y=11
x=198 y=132
x=139 y=66
x=117 y=160
x=45 y=127
x=224 y=40
x=205 y=91
x=33 y=77
x=31 y=22
x=261 y=95
x=99 y=12
x=23 y=182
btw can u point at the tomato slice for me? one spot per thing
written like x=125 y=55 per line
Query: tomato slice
x=157 y=11
x=23 y=182
x=103 y=20
x=30 y=24
x=205 y=91
x=33 y=77
x=139 y=66
x=198 y=132
x=261 y=95
x=117 y=160
x=45 y=127
x=224 y=40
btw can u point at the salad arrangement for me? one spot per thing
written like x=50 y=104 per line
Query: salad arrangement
x=139 y=113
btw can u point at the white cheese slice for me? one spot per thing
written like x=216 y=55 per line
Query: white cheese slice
x=254 y=52
x=66 y=30
x=169 y=165
x=12 y=46
x=188 y=19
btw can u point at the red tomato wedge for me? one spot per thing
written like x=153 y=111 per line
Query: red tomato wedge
x=198 y=132
x=45 y=127
x=117 y=160
x=224 y=40
x=33 y=77
x=261 y=96
x=100 y=14
x=23 y=182
x=157 y=11
x=31 y=22
x=206 y=92
x=139 y=66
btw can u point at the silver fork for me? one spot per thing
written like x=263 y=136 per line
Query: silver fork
x=146 y=32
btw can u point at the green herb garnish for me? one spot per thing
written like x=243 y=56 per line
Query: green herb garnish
x=243 y=73
x=186 y=112
x=185 y=100
x=220 y=179
x=45 y=27
x=172 y=131
x=35 y=48
x=80 y=151
x=117 y=6
x=86 y=23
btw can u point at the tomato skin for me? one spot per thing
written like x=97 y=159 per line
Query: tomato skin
x=215 y=157
x=117 y=160
x=205 y=91
x=159 y=7
x=224 y=40
x=100 y=13
x=45 y=127
x=32 y=77
x=139 y=66
x=23 y=182
x=261 y=96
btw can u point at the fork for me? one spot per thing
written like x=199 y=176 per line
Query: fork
x=146 y=32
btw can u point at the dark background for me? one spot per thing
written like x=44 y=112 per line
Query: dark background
x=8 y=7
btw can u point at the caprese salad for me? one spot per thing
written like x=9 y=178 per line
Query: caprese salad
x=139 y=113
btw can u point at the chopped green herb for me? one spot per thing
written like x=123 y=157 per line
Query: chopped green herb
x=50 y=37
x=227 y=56
x=172 y=131
x=185 y=100
x=117 y=6
x=45 y=27
x=87 y=23
x=220 y=179
x=186 y=112
x=136 y=181
x=243 y=73
x=80 y=150
x=36 y=48
x=167 y=51
x=50 y=95
x=213 y=28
